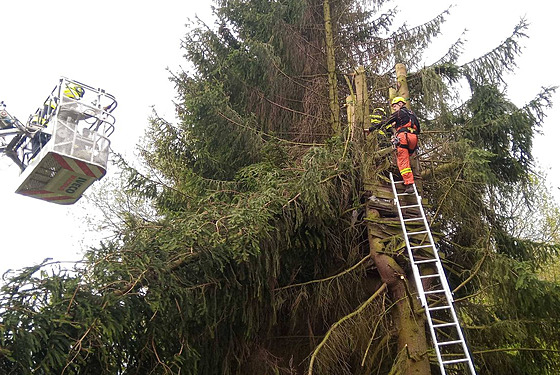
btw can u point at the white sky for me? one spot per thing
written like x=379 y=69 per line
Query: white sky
x=125 y=47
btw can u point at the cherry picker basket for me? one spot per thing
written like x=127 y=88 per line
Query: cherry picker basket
x=70 y=149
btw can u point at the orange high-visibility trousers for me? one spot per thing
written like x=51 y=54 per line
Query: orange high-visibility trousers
x=407 y=145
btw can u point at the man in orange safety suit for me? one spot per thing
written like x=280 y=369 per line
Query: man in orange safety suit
x=405 y=127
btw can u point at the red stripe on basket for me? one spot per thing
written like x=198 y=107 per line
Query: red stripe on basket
x=58 y=198
x=101 y=171
x=62 y=162
x=84 y=167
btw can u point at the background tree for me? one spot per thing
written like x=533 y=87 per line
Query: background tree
x=240 y=245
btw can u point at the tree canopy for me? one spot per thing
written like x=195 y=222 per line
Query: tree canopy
x=240 y=244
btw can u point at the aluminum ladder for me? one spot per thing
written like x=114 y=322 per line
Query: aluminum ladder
x=431 y=283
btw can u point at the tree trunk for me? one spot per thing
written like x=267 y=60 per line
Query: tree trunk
x=408 y=315
x=409 y=318
x=331 y=72
x=361 y=110
x=402 y=85
x=392 y=94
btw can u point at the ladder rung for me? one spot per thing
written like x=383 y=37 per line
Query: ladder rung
x=413 y=233
x=450 y=342
x=425 y=261
x=428 y=276
x=451 y=361
x=410 y=206
x=405 y=194
x=398 y=182
x=439 y=308
x=414 y=218
x=420 y=247
x=441 y=325
x=435 y=291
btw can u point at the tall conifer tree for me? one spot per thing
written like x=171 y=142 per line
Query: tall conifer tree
x=241 y=245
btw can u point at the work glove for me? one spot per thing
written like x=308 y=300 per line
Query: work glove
x=395 y=141
x=378 y=114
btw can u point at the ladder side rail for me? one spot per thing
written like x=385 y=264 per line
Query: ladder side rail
x=443 y=278
x=444 y=283
x=448 y=293
x=433 y=333
x=462 y=339
x=415 y=270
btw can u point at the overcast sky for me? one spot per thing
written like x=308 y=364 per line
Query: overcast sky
x=125 y=47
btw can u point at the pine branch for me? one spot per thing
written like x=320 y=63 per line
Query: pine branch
x=339 y=322
x=348 y=270
x=452 y=54
x=408 y=44
x=491 y=66
x=473 y=273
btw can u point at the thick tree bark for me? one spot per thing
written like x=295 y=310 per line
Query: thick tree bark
x=402 y=85
x=361 y=107
x=331 y=69
x=409 y=317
